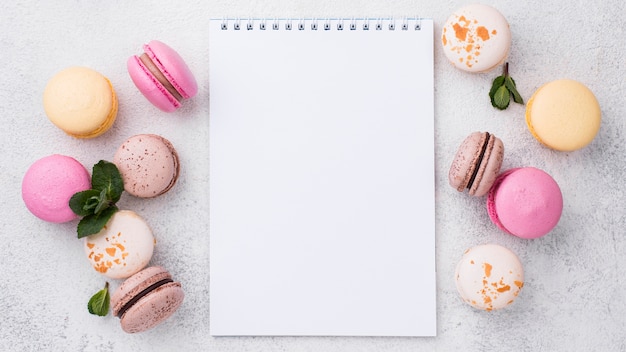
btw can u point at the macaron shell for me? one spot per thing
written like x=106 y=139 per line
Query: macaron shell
x=173 y=68
x=491 y=203
x=563 y=115
x=468 y=161
x=489 y=277
x=476 y=38
x=48 y=185
x=525 y=202
x=81 y=102
x=122 y=248
x=153 y=309
x=148 y=164
x=150 y=86
x=135 y=284
x=465 y=160
x=489 y=167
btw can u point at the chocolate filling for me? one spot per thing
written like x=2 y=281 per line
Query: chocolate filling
x=141 y=295
x=480 y=160
x=160 y=76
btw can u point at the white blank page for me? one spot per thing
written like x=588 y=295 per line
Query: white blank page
x=322 y=212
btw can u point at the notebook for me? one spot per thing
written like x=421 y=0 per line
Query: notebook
x=322 y=198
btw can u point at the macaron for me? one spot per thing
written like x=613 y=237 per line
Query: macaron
x=48 y=185
x=162 y=76
x=81 y=102
x=525 y=202
x=146 y=299
x=476 y=38
x=563 y=115
x=123 y=247
x=489 y=277
x=148 y=164
x=477 y=163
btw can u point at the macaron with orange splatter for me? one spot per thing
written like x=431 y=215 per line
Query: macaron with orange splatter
x=123 y=247
x=476 y=38
x=489 y=277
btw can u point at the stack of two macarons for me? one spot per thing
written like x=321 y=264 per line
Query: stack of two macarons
x=83 y=103
x=525 y=202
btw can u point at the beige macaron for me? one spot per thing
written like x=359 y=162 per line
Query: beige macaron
x=81 y=102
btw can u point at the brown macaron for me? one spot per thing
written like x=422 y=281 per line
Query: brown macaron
x=477 y=163
x=148 y=164
x=146 y=299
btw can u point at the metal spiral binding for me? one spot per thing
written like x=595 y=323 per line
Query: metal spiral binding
x=352 y=24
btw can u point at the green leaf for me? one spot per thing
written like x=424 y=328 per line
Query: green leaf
x=93 y=223
x=103 y=202
x=107 y=177
x=510 y=85
x=99 y=303
x=83 y=203
x=497 y=83
x=501 y=98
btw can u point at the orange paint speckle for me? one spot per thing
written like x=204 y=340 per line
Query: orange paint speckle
x=504 y=288
x=444 y=40
x=469 y=48
x=90 y=245
x=483 y=33
x=494 y=32
x=111 y=251
x=465 y=20
x=488 y=268
x=120 y=246
x=519 y=284
x=471 y=261
x=460 y=32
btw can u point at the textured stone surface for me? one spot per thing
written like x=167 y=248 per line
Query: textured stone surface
x=573 y=299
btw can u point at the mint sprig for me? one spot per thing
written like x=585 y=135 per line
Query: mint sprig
x=502 y=89
x=99 y=303
x=97 y=205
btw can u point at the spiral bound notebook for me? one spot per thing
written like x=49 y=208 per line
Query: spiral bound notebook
x=322 y=210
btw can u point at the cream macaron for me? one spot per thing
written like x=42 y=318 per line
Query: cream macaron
x=563 y=115
x=489 y=277
x=81 y=102
x=123 y=247
x=476 y=38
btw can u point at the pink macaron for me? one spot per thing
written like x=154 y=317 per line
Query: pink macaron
x=48 y=185
x=148 y=164
x=162 y=76
x=146 y=299
x=525 y=202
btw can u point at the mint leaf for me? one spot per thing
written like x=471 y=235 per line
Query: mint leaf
x=107 y=177
x=103 y=202
x=502 y=88
x=99 y=303
x=83 y=203
x=502 y=98
x=93 y=223
x=97 y=205
x=510 y=85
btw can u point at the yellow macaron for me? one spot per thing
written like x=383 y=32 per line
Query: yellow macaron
x=81 y=102
x=563 y=115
